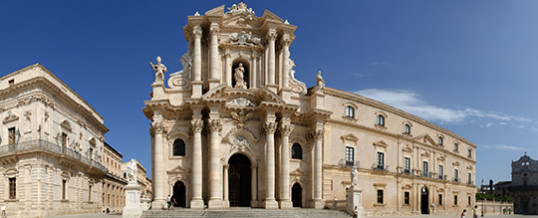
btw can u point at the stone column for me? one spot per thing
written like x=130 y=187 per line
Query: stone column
x=285 y=61
x=159 y=180
x=215 y=194
x=270 y=128
x=318 y=174
x=285 y=131
x=253 y=186
x=254 y=69
x=214 y=78
x=271 y=36
x=228 y=70
x=226 y=202
x=197 y=125
x=197 y=62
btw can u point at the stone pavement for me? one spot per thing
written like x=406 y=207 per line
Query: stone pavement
x=458 y=216
x=94 y=215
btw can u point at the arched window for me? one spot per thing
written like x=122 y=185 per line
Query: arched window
x=179 y=147
x=350 y=112
x=440 y=140
x=407 y=129
x=296 y=151
x=380 y=120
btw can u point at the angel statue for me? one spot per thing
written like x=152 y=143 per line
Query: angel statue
x=238 y=76
x=159 y=69
x=131 y=171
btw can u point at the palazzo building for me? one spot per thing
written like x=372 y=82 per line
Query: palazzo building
x=235 y=128
x=51 y=147
x=113 y=196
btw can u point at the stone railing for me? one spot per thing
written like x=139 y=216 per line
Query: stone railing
x=46 y=146
x=494 y=207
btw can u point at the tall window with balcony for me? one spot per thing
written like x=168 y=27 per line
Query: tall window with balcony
x=440 y=172
x=407 y=165
x=12 y=188
x=350 y=112
x=425 y=171
x=380 y=160
x=350 y=156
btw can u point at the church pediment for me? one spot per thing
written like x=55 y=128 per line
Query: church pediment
x=425 y=139
x=298 y=172
x=218 y=11
x=177 y=169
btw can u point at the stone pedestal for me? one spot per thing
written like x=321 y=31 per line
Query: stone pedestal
x=317 y=204
x=270 y=204
x=354 y=201
x=286 y=204
x=132 y=207
x=145 y=203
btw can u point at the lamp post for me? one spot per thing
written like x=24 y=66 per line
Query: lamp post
x=481 y=185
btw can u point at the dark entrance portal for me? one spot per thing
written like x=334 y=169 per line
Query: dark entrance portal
x=179 y=194
x=239 y=181
x=296 y=195
x=424 y=201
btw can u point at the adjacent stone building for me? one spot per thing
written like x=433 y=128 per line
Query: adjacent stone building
x=113 y=197
x=235 y=128
x=51 y=147
x=524 y=186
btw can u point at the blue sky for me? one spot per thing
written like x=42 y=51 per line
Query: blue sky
x=468 y=66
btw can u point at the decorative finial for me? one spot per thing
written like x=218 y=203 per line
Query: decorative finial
x=286 y=22
x=196 y=14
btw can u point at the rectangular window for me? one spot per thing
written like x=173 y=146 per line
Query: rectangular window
x=350 y=112
x=380 y=196
x=469 y=180
x=456 y=175
x=440 y=199
x=407 y=165
x=425 y=171
x=350 y=156
x=441 y=172
x=64 y=139
x=470 y=153
x=468 y=200
x=455 y=200
x=90 y=193
x=90 y=153
x=380 y=160
x=64 y=188
x=11 y=135
x=456 y=147
x=12 y=188
x=406 y=198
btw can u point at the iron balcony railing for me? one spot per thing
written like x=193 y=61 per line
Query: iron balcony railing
x=407 y=171
x=470 y=182
x=376 y=166
x=427 y=174
x=47 y=146
x=456 y=179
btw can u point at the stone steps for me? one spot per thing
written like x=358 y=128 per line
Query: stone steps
x=230 y=213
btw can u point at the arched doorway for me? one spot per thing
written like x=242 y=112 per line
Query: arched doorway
x=424 y=209
x=239 y=181
x=179 y=194
x=296 y=195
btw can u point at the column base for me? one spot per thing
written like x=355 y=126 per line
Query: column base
x=197 y=204
x=317 y=204
x=286 y=204
x=272 y=87
x=214 y=204
x=253 y=203
x=225 y=203
x=270 y=204
x=158 y=204
x=213 y=83
x=196 y=89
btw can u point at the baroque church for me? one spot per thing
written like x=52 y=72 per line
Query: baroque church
x=235 y=128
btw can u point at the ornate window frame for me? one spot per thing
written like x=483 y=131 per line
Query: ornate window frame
x=381 y=116
x=354 y=109
x=172 y=137
x=405 y=130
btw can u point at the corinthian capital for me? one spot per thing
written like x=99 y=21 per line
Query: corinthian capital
x=197 y=32
x=269 y=127
x=197 y=125
x=214 y=29
x=158 y=127
x=285 y=129
x=215 y=125
x=271 y=35
x=286 y=41
x=317 y=134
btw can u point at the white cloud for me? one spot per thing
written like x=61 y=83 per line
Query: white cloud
x=360 y=75
x=503 y=147
x=489 y=124
x=411 y=102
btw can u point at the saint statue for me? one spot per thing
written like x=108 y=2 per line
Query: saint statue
x=131 y=172
x=320 y=82
x=355 y=177
x=238 y=76
x=159 y=69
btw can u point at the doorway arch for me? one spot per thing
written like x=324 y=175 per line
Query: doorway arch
x=239 y=181
x=297 y=195
x=178 y=197
x=424 y=203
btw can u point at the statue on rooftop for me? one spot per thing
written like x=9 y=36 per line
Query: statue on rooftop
x=159 y=69
x=320 y=82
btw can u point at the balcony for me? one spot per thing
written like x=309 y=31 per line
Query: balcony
x=379 y=167
x=54 y=149
x=456 y=179
x=470 y=182
x=407 y=171
x=441 y=177
x=427 y=174
x=347 y=163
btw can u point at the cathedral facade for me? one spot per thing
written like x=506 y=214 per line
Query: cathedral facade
x=235 y=128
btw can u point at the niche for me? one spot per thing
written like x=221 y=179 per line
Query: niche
x=246 y=72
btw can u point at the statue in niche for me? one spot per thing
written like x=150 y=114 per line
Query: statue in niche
x=159 y=69
x=238 y=76
x=355 y=177
x=320 y=82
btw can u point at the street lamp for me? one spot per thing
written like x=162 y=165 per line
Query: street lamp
x=481 y=186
